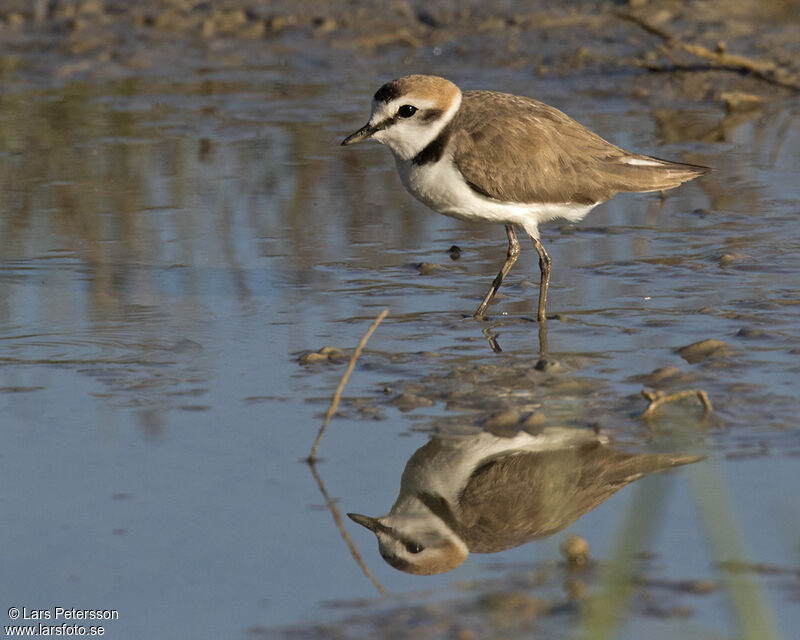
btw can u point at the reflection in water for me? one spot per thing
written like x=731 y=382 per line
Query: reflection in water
x=482 y=493
x=491 y=336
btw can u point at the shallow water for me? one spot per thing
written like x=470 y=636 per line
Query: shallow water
x=169 y=249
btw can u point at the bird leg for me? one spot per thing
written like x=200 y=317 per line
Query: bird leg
x=511 y=258
x=544 y=282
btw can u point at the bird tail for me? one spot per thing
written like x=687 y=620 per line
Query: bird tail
x=638 y=173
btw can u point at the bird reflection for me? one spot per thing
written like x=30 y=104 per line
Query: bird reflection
x=482 y=493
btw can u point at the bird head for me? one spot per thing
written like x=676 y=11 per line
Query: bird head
x=418 y=544
x=408 y=113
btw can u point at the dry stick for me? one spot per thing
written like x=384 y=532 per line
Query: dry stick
x=657 y=398
x=720 y=59
x=337 y=518
x=336 y=396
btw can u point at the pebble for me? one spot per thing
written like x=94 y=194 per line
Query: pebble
x=658 y=377
x=534 y=423
x=408 y=401
x=544 y=364
x=740 y=101
x=727 y=259
x=279 y=23
x=427 y=268
x=517 y=604
x=698 y=351
x=699 y=586
x=750 y=332
x=573 y=386
x=311 y=358
x=503 y=424
x=15 y=19
x=326 y=354
x=576 y=551
x=333 y=354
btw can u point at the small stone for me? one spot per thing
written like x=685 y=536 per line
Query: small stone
x=170 y=20
x=230 y=21
x=750 y=332
x=492 y=23
x=580 y=55
x=518 y=604
x=543 y=364
x=576 y=551
x=333 y=354
x=427 y=268
x=278 y=23
x=573 y=386
x=408 y=401
x=255 y=29
x=311 y=358
x=665 y=613
x=209 y=27
x=659 y=376
x=324 y=25
x=534 y=423
x=699 y=586
x=427 y=18
x=91 y=6
x=370 y=412
x=455 y=252
x=702 y=350
x=726 y=259
x=326 y=354
x=739 y=101
x=15 y=19
x=503 y=423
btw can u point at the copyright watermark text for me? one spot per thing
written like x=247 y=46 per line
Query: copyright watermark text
x=58 y=621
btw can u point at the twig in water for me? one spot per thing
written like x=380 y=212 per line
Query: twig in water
x=337 y=518
x=719 y=59
x=312 y=456
x=657 y=398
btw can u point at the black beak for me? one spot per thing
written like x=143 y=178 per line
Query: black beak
x=365 y=521
x=364 y=132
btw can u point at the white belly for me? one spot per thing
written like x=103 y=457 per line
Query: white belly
x=441 y=187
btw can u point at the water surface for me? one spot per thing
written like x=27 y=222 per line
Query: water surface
x=168 y=249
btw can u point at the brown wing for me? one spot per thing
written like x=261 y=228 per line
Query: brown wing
x=515 y=498
x=526 y=151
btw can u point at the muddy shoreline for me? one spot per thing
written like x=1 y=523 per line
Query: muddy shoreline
x=59 y=40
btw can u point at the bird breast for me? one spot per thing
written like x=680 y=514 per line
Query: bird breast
x=440 y=186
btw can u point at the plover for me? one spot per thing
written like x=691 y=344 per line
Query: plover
x=482 y=493
x=498 y=157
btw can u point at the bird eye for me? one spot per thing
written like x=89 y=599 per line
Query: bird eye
x=406 y=111
x=413 y=547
